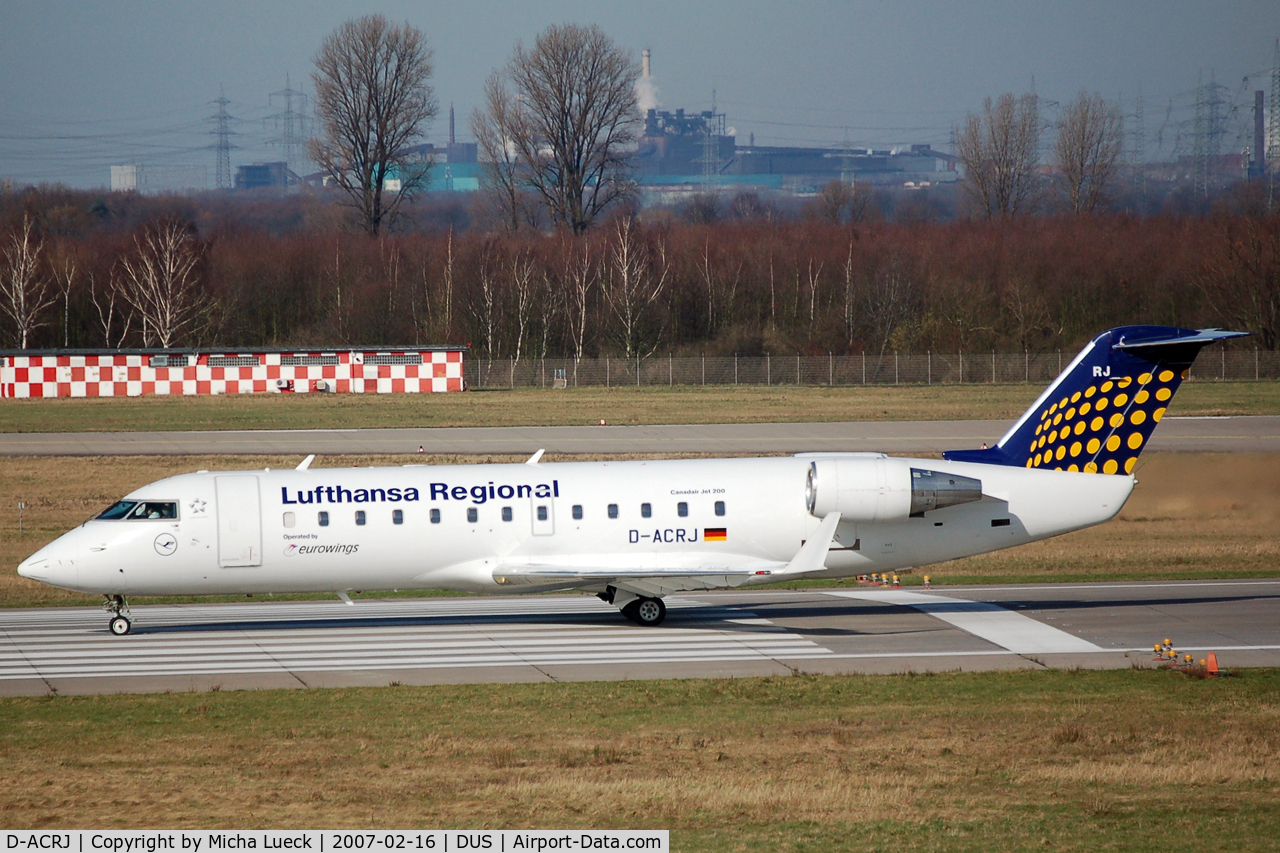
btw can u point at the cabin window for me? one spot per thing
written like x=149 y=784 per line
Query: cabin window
x=323 y=518
x=719 y=507
x=542 y=513
x=506 y=513
x=682 y=509
x=577 y=512
x=613 y=510
x=435 y=516
x=290 y=519
x=999 y=522
x=473 y=515
x=646 y=511
x=397 y=516
x=360 y=517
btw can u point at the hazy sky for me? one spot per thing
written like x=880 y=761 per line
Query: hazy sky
x=85 y=84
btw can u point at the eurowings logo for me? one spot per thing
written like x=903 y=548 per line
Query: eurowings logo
x=294 y=548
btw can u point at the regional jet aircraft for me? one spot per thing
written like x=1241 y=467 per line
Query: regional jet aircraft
x=633 y=532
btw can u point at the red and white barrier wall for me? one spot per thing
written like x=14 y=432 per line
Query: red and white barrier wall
x=139 y=373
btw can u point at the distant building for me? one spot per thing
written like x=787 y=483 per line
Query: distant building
x=259 y=175
x=185 y=372
x=154 y=180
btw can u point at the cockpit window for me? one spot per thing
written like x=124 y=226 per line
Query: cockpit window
x=117 y=510
x=141 y=510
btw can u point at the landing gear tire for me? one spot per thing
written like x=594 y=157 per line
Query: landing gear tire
x=646 y=611
x=119 y=610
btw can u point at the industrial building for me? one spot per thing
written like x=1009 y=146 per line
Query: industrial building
x=694 y=151
x=146 y=372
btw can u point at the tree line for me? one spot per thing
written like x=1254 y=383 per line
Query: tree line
x=637 y=284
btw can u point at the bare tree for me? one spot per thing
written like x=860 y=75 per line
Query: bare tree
x=161 y=284
x=24 y=292
x=65 y=274
x=1088 y=148
x=111 y=305
x=834 y=200
x=633 y=287
x=581 y=278
x=504 y=177
x=1241 y=275
x=372 y=102
x=1000 y=151
x=524 y=292
x=566 y=110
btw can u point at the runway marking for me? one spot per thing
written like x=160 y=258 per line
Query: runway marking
x=1005 y=628
x=75 y=643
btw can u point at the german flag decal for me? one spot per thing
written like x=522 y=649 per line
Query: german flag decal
x=714 y=534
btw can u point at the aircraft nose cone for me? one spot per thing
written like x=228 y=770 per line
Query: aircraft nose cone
x=55 y=563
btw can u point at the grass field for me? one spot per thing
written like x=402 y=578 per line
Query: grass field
x=1193 y=515
x=1132 y=760
x=580 y=406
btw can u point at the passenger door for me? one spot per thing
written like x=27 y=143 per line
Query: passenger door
x=239 y=521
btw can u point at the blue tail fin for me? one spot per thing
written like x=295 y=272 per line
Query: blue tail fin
x=1100 y=412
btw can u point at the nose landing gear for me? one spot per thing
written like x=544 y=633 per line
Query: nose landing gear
x=119 y=610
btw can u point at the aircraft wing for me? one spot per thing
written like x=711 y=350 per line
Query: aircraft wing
x=680 y=571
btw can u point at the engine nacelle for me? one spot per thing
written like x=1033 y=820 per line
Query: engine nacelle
x=878 y=488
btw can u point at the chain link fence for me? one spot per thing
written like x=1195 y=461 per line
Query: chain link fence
x=930 y=368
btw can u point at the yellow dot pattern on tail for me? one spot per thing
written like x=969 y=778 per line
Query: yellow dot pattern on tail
x=1107 y=443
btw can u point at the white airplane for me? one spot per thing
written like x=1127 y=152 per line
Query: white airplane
x=633 y=532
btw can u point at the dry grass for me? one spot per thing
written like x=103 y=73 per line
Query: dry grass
x=936 y=762
x=646 y=405
x=1194 y=515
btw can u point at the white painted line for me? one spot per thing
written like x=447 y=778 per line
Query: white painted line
x=1005 y=628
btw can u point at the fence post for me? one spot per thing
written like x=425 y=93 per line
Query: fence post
x=993 y=367
x=735 y=369
x=606 y=371
x=1059 y=362
x=1255 y=364
x=929 y=356
x=1224 y=364
x=704 y=369
x=768 y=368
x=831 y=369
x=895 y=367
x=671 y=373
x=797 y=368
x=1026 y=366
x=637 y=371
x=864 y=367
x=542 y=372
x=961 y=367
x=512 y=361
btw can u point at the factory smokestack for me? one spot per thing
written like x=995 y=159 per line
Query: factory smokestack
x=645 y=62
x=451 y=140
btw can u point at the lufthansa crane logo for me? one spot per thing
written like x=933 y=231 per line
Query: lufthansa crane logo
x=166 y=544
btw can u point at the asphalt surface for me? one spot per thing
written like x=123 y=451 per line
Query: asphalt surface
x=848 y=629
x=1255 y=434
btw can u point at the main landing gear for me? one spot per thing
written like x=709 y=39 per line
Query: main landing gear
x=642 y=610
x=119 y=610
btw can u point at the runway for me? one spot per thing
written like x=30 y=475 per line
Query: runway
x=1251 y=434
x=847 y=629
